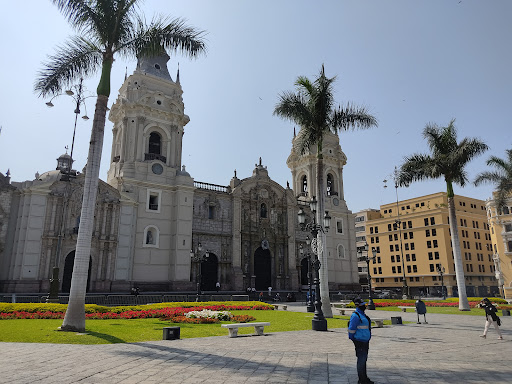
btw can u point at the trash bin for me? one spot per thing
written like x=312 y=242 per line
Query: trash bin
x=505 y=312
x=171 y=333
x=396 y=320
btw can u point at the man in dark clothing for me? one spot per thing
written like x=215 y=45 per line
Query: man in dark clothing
x=360 y=332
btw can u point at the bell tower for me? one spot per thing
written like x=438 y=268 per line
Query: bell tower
x=146 y=168
x=340 y=239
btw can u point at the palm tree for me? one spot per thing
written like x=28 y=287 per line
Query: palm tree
x=106 y=28
x=501 y=178
x=312 y=107
x=448 y=159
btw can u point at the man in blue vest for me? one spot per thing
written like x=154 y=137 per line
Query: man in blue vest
x=360 y=332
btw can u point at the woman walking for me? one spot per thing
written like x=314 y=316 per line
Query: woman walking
x=490 y=317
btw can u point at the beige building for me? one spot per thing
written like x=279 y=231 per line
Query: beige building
x=501 y=234
x=361 y=220
x=412 y=238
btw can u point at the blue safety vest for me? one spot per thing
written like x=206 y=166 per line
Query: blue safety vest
x=359 y=327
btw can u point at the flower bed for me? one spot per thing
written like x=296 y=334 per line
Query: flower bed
x=170 y=314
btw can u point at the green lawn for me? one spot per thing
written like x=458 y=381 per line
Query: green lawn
x=445 y=310
x=137 y=330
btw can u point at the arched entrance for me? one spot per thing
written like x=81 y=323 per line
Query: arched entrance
x=262 y=269
x=68 y=273
x=209 y=273
x=304 y=271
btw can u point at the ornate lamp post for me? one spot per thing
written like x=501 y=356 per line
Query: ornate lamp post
x=440 y=271
x=309 y=304
x=371 y=304
x=319 y=323
x=199 y=259
x=65 y=165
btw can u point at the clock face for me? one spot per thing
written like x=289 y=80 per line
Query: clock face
x=335 y=201
x=157 y=168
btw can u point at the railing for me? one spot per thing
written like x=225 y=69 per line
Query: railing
x=210 y=187
x=155 y=156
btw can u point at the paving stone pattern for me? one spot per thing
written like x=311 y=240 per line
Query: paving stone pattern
x=446 y=350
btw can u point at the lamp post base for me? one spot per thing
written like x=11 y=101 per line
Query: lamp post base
x=310 y=307
x=371 y=304
x=319 y=325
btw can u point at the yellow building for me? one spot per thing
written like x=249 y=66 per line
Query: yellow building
x=420 y=244
x=501 y=235
x=361 y=220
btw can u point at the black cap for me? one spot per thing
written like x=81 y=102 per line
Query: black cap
x=359 y=302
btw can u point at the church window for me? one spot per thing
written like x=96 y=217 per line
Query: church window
x=339 y=226
x=151 y=236
x=330 y=184
x=263 y=211
x=304 y=184
x=211 y=212
x=155 y=141
x=341 y=251
x=154 y=198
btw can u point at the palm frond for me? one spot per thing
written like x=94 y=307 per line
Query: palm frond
x=162 y=33
x=415 y=168
x=353 y=117
x=488 y=177
x=78 y=57
x=291 y=106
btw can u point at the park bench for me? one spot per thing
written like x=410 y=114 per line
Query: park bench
x=404 y=309
x=347 y=310
x=379 y=323
x=233 y=328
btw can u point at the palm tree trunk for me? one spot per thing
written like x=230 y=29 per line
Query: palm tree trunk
x=74 y=320
x=322 y=254
x=459 y=267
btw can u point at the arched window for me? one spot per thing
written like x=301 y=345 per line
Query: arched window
x=341 y=251
x=263 y=211
x=155 y=143
x=304 y=184
x=151 y=237
x=330 y=184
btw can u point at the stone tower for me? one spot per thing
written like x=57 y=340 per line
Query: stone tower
x=157 y=193
x=340 y=239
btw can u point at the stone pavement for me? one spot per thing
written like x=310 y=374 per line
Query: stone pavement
x=446 y=350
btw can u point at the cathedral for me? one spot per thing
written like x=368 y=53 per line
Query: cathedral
x=157 y=228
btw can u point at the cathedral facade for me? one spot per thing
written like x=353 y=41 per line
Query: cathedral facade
x=158 y=229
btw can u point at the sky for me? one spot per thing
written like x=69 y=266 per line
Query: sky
x=410 y=62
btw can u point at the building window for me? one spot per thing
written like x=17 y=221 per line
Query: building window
x=263 y=211
x=431 y=267
x=432 y=221
x=427 y=233
x=413 y=256
x=155 y=143
x=429 y=244
x=390 y=237
x=407 y=257
x=341 y=251
x=399 y=269
x=409 y=269
x=415 y=269
x=389 y=228
x=397 y=258
x=434 y=232
x=339 y=226
x=211 y=212
x=392 y=258
x=393 y=270
x=397 y=248
x=151 y=237
x=426 y=221
x=153 y=201
x=330 y=185
x=436 y=255
x=435 y=243
x=304 y=184
x=430 y=256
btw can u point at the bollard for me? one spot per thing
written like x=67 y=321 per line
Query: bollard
x=505 y=312
x=171 y=333
x=396 y=320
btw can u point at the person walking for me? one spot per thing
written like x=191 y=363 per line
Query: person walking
x=217 y=286
x=360 y=332
x=490 y=317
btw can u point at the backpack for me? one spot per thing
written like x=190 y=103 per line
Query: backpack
x=369 y=321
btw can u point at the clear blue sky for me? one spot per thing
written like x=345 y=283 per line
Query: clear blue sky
x=409 y=62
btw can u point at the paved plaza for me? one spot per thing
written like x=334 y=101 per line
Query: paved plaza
x=446 y=350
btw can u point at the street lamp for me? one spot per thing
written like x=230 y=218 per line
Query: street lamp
x=319 y=323
x=309 y=304
x=199 y=259
x=398 y=222
x=79 y=100
x=65 y=163
x=371 y=304
x=440 y=271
